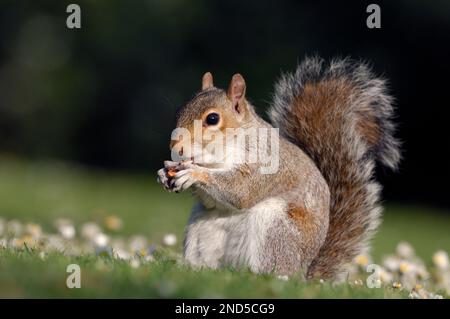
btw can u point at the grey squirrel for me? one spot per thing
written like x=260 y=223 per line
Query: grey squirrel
x=320 y=208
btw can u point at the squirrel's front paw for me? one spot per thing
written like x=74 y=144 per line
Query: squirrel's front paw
x=176 y=177
x=186 y=175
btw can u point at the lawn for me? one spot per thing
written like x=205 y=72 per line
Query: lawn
x=43 y=192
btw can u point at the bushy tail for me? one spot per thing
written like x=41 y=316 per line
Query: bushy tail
x=341 y=116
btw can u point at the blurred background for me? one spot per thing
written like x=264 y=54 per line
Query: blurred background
x=82 y=110
x=105 y=95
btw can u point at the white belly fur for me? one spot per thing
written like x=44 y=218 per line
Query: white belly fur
x=216 y=237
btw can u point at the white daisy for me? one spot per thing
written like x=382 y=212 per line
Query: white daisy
x=101 y=240
x=440 y=259
x=169 y=240
x=90 y=230
x=405 y=250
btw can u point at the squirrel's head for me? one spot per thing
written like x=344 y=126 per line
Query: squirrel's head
x=212 y=111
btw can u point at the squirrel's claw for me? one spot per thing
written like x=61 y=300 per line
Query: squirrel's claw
x=182 y=180
x=163 y=179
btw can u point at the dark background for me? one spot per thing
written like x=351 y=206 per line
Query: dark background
x=105 y=95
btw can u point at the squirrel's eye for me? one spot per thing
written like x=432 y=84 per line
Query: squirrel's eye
x=212 y=119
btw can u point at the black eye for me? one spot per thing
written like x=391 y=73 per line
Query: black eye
x=212 y=119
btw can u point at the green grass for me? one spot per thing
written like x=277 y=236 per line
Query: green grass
x=42 y=192
x=26 y=275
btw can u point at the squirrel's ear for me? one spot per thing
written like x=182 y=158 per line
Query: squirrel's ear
x=236 y=92
x=207 y=81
